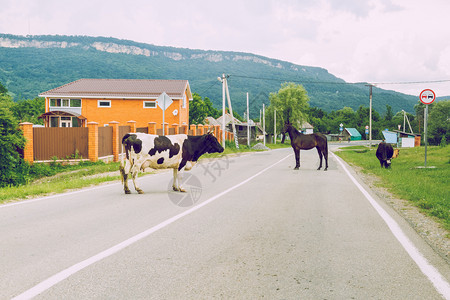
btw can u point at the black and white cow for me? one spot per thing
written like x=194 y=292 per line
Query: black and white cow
x=177 y=152
x=385 y=152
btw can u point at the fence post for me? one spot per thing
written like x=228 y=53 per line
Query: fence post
x=115 y=140
x=151 y=127
x=27 y=129
x=166 y=128
x=132 y=125
x=175 y=127
x=200 y=129
x=185 y=128
x=217 y=133
x=194 y=129
x=93 y=141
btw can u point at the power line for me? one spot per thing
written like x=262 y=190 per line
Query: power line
x=335 y=82
x=415 y=82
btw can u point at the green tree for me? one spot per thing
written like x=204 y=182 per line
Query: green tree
x=291 y=104
x=438 y=123
x=3 y=90
x=200 y=109
x=29 y=110
x=13 y=169
x=388 y=115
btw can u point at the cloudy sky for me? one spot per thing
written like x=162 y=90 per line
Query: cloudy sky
x=377 y=41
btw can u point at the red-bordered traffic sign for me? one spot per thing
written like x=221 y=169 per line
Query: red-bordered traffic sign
x=427 y=96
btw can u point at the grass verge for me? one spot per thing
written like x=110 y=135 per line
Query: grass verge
x=426 y=188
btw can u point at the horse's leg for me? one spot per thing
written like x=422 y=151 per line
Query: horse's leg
x=297 y=158
x=320 y=156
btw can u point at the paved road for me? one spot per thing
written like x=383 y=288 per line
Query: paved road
x=257 y=229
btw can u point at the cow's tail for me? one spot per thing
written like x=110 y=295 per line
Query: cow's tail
x=125 y=155
x=122 y=165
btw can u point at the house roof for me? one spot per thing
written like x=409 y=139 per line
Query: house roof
x=212 y=121
x=353 y=131
x=121 y=88
x=228 y=119
x=306 y=125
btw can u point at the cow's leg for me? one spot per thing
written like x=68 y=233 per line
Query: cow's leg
x=134 y=173
x=325 y=154
x=320 y=156
x=177 y=181
x=124 y=171
x=297 y=158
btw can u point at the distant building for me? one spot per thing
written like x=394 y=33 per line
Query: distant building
x=352 y=134
x=241 y=127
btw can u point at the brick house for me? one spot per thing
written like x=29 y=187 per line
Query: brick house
x=105 y=100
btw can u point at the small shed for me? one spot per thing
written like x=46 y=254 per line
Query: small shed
x=408 y=139
x=307 y=128
x=390 y=137
x=351 y=133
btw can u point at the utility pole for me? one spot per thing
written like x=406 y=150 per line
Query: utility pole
x=264 y=124
x=274 y=126
x=248 y=124
x=233 y=126
x=370 y=114
x=223 y=108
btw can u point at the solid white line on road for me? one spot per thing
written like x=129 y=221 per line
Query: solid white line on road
x=439 y=282
x=57 y=278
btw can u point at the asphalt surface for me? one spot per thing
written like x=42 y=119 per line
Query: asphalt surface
x=250 y=227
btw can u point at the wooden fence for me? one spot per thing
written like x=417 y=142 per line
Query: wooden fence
x=93 y=142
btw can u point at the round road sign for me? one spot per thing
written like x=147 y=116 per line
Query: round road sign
x=427 y=96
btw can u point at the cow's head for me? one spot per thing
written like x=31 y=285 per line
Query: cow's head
x=212 y=144
x=388 y=163
x=396 y=153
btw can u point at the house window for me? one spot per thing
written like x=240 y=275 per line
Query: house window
x=54 y=121
x=184 y=101
x=104 y=103
x=75 y=102
x=150 y=104
x=55 y=102
x=65 y=102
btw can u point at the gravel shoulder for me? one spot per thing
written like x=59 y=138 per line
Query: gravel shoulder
x=427 y=227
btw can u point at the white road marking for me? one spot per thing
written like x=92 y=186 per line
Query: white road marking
x=57 y=278
x=439 y=282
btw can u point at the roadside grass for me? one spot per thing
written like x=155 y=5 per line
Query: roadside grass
x=426 y=188
x=53 y=178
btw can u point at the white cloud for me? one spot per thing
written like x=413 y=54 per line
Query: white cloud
x=372 y=40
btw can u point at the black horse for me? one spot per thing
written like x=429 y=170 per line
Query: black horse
x=307 y=142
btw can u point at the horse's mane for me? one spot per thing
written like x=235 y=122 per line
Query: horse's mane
x=292 y=131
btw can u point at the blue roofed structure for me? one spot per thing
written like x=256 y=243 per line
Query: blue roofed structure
x=353 y=133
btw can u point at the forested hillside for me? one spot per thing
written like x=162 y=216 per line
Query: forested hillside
x=34 y=64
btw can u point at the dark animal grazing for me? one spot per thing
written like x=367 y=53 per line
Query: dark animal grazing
x=385 y=152
x=307 y=142
x=177 y=152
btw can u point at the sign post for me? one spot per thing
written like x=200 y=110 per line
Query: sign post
x=164 y=101
x=427 y=97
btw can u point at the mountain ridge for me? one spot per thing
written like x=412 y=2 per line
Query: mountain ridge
x=35 y=64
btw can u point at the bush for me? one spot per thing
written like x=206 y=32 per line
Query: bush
x=13 y=169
